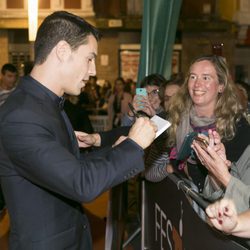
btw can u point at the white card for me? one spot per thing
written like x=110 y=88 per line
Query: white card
x=161 y=123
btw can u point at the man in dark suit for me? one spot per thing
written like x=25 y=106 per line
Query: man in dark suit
x=43 y=176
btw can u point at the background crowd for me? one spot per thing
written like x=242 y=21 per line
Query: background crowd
x=206 y=101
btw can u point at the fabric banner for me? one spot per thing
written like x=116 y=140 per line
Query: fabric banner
x=160 y=19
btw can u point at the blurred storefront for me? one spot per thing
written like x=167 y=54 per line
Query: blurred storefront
x=203 y=26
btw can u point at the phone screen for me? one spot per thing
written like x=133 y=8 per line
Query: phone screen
x=185 y=149
x=141 y=91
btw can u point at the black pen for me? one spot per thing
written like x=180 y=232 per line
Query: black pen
x=133 y=110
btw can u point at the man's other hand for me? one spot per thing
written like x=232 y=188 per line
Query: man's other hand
x=87 y=140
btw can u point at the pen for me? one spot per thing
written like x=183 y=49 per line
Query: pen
x=133 y=110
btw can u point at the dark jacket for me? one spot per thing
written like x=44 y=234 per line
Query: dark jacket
x=45 y=180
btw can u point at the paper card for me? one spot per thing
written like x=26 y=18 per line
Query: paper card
x=161 y=123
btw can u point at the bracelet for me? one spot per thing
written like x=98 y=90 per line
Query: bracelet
x=132 y=116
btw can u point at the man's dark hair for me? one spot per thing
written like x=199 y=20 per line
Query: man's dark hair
x=27 y=67
x=58 y=26
x=8 y=67
x=153 y=80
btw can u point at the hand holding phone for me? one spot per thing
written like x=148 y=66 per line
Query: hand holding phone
x=185 y=149
x=202 y=142
x=141 y=91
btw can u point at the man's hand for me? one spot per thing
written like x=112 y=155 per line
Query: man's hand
x=143 y=132
x=87 y=140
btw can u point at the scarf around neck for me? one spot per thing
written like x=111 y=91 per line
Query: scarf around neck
x=190 y=121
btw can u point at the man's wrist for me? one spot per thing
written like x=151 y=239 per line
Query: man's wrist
x=97 y=140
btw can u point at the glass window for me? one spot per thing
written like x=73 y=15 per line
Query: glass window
x=15 y=4
x=72 y=4
x=44 y=4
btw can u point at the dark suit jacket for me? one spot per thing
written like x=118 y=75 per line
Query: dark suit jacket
x=78 y=117
x=45 y=180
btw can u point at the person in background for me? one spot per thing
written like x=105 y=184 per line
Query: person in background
x=106 y=92
x=77 y=115
x=169 y=89
x=150 y=104
x=93 y=90
x=89 y=98
x=47 y=179
x=157 y=160
x=27 y=67
x=225 y=179
x=223 y=215
x=8 y=81
x=118 y=103
x=244 y=91
x=207 y=100
x=156 y=155
x=130 y=86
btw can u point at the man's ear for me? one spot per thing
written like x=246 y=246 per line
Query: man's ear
x=63 y=51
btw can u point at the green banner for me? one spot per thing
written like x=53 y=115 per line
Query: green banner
x=160 y=19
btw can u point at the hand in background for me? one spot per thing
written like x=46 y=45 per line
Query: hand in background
x=218 y=146
x=223 y=215
x=148 y=109
x=142 y=103
x=214 y=143
x=87 y=140
x=143 y=132
x=216 y=166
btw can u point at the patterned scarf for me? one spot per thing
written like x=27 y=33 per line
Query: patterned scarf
x=191 y=122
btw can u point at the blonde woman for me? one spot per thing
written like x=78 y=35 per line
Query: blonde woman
x=207 y=100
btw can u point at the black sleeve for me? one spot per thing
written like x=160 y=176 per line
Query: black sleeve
x=2 y=203
x=108 y=138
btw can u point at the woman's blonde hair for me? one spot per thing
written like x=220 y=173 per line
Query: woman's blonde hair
x=228 y=109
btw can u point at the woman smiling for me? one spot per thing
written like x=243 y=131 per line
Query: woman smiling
x=207 y=100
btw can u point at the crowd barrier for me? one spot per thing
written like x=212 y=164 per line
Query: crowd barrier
x=99 y=122
x=115 y=224
x=170 y=222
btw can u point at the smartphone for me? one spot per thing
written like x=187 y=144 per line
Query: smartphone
x=141 y=91
x=185 y=149
x=202 y=142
